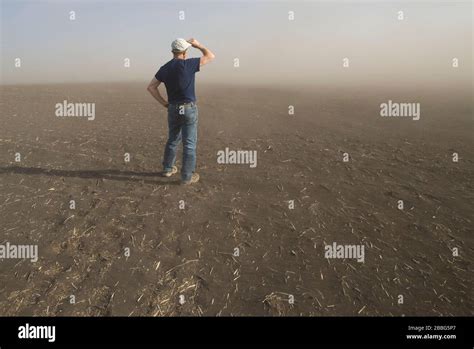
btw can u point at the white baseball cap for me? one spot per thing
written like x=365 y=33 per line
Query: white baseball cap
x=180 y=45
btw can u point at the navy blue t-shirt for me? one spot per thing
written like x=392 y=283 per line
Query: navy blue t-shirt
x=178 y=77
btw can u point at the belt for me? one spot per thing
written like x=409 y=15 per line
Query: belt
x=183 y=104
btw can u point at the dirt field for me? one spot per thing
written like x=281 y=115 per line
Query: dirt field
x=190 y=251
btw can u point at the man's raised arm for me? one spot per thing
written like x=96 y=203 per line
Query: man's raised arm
x=207 y=55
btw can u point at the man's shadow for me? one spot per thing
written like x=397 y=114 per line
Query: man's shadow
x=116 y=175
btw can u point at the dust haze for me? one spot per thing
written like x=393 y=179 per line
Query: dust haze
x=268 y=47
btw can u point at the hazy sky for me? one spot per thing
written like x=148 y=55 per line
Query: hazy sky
x=270 y=48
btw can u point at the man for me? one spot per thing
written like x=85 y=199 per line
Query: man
x=178 y=77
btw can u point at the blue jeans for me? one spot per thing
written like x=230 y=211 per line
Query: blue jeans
x=182 y=125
